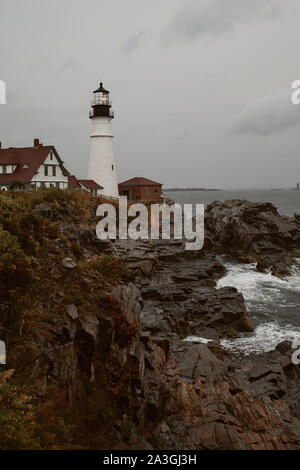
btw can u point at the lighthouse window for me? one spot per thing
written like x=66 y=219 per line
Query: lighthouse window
x=112 y=167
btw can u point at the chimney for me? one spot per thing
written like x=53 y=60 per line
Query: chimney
x=37 y=143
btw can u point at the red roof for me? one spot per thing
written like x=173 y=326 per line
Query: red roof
x=31 y=156
x=90 y=184
x=139 y=181
x=73 y=182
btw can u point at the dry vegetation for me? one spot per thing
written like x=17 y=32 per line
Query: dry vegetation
x=34 y=291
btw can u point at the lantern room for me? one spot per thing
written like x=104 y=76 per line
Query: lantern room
x=101 y=103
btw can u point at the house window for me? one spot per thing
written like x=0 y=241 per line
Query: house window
x=147 y=191
x=25 y=165
x=51 y=156
x=54 y=171
x=4 y=169
x=46 y=170
x=57 y=185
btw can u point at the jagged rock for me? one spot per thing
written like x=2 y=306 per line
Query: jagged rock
x=152 y=389
x=252 y=231
x=72 y=311
x=90 y=324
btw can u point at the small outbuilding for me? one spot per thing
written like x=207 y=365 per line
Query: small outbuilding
x=141 y=189
x=89 y=185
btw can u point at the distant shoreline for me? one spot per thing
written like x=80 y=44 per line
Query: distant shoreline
x=174 y=190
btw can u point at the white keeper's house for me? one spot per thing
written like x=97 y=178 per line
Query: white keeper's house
x=32 y=167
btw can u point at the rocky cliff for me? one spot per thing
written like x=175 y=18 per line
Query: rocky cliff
x=95 y=331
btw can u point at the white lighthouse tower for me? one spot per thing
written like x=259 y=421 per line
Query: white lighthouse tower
x=102 y=166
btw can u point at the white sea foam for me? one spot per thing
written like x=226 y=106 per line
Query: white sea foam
x=197 y=339
x=260 y=289
x=265 y=338
x=273 y=303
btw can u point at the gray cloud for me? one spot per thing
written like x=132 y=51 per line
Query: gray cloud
x=69 y=65
x=267 y=115
x=132 y=43
x=174 y=106
x=214 y=17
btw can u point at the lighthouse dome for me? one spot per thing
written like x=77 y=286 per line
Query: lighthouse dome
x=101 y=89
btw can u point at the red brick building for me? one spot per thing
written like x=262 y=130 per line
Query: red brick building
x=141 y=189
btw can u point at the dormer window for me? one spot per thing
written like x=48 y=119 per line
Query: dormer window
x=7 y=169
x=25 y=165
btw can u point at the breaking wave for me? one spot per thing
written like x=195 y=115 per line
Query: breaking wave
x=273 y=303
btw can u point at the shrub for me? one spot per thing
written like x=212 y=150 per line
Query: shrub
x=17 y=423
x=111 y=267
x=125 y=330
x=16 y=267
x=23 y=223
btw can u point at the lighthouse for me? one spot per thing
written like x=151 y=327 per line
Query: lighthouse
x=102 y=165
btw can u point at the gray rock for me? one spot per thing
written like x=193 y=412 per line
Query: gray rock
x=45 y=210
x=69 y=263
x=72 y=311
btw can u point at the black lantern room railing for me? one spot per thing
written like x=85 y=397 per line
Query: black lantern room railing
x=94 y=113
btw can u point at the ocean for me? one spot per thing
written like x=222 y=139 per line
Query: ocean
x=273 y=303
x=286 y=201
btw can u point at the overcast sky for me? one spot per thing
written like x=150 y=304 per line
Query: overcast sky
x=200 y=88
